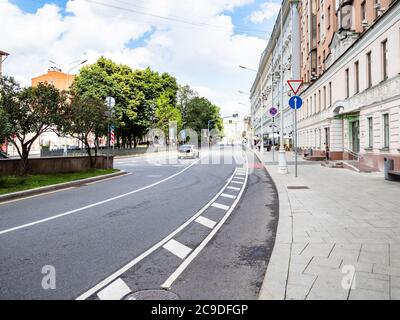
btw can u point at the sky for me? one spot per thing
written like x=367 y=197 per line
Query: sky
x=200 y=42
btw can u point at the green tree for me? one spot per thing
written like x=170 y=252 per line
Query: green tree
x=165 y=113
x=184 y=96
x=27 y=113
x=85 y=116
x=199 y=112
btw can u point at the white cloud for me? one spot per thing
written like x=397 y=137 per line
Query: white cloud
x=267 y=11
x=205 y=55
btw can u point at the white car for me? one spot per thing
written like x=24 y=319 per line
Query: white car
x=188 y=151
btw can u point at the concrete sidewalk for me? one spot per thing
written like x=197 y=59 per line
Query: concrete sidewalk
x=337 y=239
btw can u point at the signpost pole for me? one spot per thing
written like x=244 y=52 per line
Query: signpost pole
x=295 y=141
x=273 y=139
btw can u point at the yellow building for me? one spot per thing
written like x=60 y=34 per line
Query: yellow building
x=62 y=81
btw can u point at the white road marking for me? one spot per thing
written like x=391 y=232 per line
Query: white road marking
x=37 y=195
x=233 y=188
x=115 y=291
x=220 y=206
x=240 y=174
x=225 y=195
x=206 y=222
x=237 y=182
x=135 y=261
x=97 y=203
x=177 y=248
x=168 y=283
x=240 y=178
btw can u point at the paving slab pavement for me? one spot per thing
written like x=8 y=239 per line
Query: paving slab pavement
x=339 y=238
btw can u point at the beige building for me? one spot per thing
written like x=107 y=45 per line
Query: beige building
x=323 y=20
x=353 y=104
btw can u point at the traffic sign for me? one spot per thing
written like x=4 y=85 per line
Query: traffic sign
x=273 y=111
x=295 y=102
x=110 y=102
x=295 y=85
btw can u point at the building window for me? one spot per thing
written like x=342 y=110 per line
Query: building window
x=363 y=12
x=384 y=60
x=319 y=101
x=356 y=77
x=369 y=73
x=324 y=97
x=370 y=133
x=329 y=17
x=330 y=94
x=386 y=141
x=315 y=103
x=376 y=6
x=347 y=83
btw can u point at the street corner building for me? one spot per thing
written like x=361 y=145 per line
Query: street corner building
x=349 y=59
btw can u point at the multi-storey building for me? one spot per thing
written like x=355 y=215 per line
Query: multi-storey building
x=267 y=90
x=352 y=74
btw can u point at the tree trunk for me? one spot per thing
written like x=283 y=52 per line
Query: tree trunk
x=24 y=159
x=92 y=159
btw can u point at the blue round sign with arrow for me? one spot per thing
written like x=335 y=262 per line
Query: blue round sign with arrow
x=295 y=102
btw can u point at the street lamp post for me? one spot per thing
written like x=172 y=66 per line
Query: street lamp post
x=282 y=167
x=69 y=71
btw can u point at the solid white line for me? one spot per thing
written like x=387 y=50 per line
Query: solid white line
x=115 y=291
x=237 y=182
x=220 y=206
x=225 y=195
x=206 y=222
x=177 y=248
x=135 y=261
x=233 y=188
x=37 y=195
x=96 y=204
x=168 y=283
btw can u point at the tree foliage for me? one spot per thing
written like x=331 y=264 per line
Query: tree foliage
x=26 y=113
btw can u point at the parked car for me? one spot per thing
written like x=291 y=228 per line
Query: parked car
x=3 y=155
x=188 y=151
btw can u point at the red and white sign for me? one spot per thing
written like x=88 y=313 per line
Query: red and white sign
x=295 y=85
x=112 y=137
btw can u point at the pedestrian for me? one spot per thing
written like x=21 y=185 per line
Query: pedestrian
x=326 y=152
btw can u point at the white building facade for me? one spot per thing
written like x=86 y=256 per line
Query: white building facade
x=267 y=90
x=353 y=109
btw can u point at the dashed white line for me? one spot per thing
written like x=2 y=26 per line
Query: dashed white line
x=233 y=188
x=135 y=261
x=114 y=291
x=206 y=222
x=237 y=182
x=240 y=178
x=168 y=283
x=177 y=248
x=225 y=195
x=220 y=206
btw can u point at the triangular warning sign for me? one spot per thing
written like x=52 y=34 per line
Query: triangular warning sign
x=295 y=85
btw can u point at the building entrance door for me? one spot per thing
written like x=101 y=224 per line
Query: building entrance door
x=355 y=136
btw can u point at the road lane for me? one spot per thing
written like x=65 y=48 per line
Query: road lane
x=86 y=247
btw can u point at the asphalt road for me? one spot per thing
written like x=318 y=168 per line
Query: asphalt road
x=89 y=233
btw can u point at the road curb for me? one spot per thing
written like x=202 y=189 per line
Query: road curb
x=276 y=276
x=59 y=186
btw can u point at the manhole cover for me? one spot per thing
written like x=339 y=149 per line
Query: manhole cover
x=297 y=187
x=152 y=295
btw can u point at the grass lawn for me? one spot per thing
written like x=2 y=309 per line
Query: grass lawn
x=10 y=184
